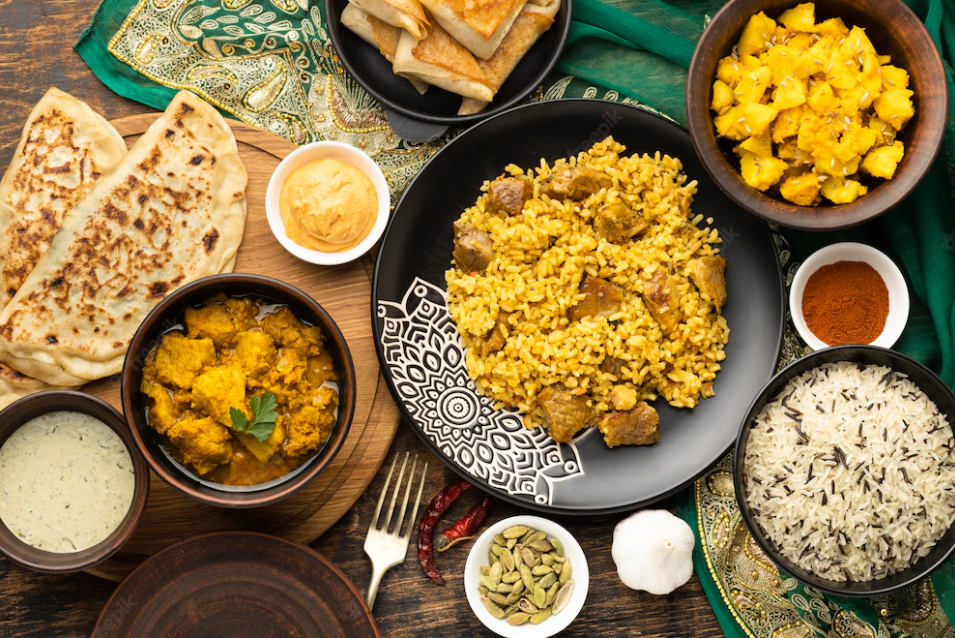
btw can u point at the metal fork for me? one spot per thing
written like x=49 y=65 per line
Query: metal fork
x=387 y=549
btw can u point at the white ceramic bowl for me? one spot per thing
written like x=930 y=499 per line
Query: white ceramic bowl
x=311 y=153
x=850 y=251
x=572 y=552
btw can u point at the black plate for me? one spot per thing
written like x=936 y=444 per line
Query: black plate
x=420 y=352
x=927 y=381
x=374 y=73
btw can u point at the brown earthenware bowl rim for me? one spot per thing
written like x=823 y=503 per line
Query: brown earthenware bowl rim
x=160 y=555
x=39 y=560
x=932 y=118
x=314 y=466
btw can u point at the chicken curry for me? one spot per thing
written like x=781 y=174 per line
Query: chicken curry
x=241 y=395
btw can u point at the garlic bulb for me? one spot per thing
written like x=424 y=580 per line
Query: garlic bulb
x=653 y=550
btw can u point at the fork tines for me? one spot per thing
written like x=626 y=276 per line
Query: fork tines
x=387 y=521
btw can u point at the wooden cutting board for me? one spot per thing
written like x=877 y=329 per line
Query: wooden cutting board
x=345 y=292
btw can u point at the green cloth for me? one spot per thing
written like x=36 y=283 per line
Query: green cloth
x=278 y=51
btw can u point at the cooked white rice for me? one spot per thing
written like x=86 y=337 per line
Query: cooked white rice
x=850 y=471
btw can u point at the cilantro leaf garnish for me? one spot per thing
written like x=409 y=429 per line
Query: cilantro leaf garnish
x=263 y=417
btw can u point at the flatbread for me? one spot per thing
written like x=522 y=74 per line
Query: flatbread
x=404 y=14
x=533 y=21
x=14 y=386
x=64 y=148
x=378 y=34
x=479 y=25
x=172 y=211
x=442 y=62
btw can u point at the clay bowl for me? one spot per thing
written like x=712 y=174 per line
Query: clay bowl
x=894 y=30
x=30 y=407
x=167 y=316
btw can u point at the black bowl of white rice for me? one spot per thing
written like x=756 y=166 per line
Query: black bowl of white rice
x=845 y=470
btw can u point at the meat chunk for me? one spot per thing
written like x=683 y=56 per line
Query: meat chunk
x=218 y=390
x=707 y=274
x=618 y=223
x=496 y=338
x=639 y=426
x=508 y=194
x=565 y=412
x=310 y=421
x=473 y=248
x=178 y=360
x=576 y=183
x=203 y=443
x=600 y=298
x=663 y=300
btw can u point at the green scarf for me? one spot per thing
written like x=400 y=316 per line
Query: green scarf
x=634 y=50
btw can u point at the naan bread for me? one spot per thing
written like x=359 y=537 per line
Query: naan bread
x=14 y=386
x=533 y=21
x=479 y=25
x=172 y=211
x=404 y=14
x=65 y=147
x=378 y=34
x=440 y=61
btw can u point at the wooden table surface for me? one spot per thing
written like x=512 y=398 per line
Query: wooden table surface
x=36 y=40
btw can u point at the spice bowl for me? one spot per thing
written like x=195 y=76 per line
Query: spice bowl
x=312 y=153
x=898 y=293
x=573 y=554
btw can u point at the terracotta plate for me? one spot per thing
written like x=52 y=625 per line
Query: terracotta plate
x=236 y=584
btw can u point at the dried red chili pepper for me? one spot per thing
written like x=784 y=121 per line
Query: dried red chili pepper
x=464 y=529
x=438 y=505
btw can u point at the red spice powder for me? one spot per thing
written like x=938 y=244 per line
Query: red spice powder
x=846 y=303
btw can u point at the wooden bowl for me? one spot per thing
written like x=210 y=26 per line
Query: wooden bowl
x=895 y=30
x=167 y=316
x=30 y=407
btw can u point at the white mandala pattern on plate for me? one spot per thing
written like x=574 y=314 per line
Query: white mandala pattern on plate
x=424 y=354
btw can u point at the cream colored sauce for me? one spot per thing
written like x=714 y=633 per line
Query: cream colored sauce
x=66 y=482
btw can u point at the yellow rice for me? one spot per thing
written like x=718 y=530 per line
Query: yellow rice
x=542 y=256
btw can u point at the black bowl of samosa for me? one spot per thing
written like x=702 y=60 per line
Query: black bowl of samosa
x=239 y=390
x=445 y=61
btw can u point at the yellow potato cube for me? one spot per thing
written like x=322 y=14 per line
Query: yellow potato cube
x=856 y=43
x=784 y=62
x=817 y=57
x=723 y=97
x=895 y=107
x=745 y=120
x=855 y=143
x=761 y=172
x=834 y=27
x=842 y=72
x=822 y=99
x=802 y=190
x=756 y=34
x=885 y=134
x=800 y=41
x=839 y=190
x=787 y=124
x=759 y=145
x=856 y=99
x=882 y=161
x=753 y=85
x=885 y=59
x=802 y=17
x=793 y=155
x=894 y=78
x=789 y=94
x=827 y=163
x=730 y=70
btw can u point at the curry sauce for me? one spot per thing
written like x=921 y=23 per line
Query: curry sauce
x=233 y=350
